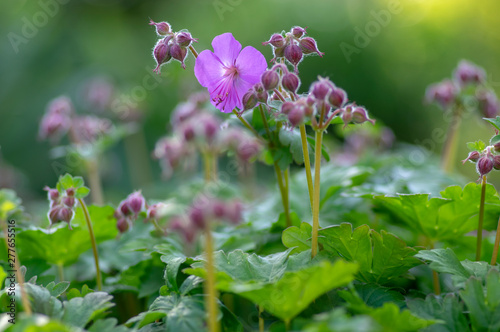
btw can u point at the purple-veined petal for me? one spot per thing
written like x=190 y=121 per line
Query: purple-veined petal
x=208 y=69
x=251 y=64
x=227 y=48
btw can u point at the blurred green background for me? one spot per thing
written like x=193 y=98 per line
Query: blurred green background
x=75 y=40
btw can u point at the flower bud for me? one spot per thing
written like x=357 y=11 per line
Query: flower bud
x=276 y=40
x=122 y=225
x=347 y=115
x=496 y=147
x=69 y=201
x=219 y=209
x=179 y=53
x=293 y=53
x=136 y=202
x=337 y=98
x=286 y=107
x=234 y=212
x=320 y=89
x=308 y=110
x=488 y=103
x=65 y=214
x=54 y=214
x=290 y=82
x=184 y=39
x=210 y=127
x=162 y=28
x=247 y=150
x=249 y=100
x=156 y=210
x=270 y=79
x=298 y=31
x=70 y=192
x=469 y=73
x=161 y=54
x=360 y=115
x=443 y=93
x=484 y=165
x=279 y=52
x=188 y=132
x=182 y=226
x=496 y=162
x=296 y=115
x=260 y=93
x=124 y=208
x=52 y=194
x=308 y=46
x=197 y=217
x=473 y=156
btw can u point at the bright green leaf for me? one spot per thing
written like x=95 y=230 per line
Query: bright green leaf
x=297 y=238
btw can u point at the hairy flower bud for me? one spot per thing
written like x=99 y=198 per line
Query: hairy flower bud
x=179 y=53
x=122 y=225
x=270 y=79
x=161 y=54
x=469 y=73
x=308 y=46
x=473 y=156
x=290 y=82
x=53 y=214
x=360 y=115
x=296 y=115
x=52 y=194
x=247 y=150
x=249 y=100
x=443 y=93
x=234 y=212
x=298 y=31
x=276 y=40
x=488 y=103
x=70 y=192
x=65 y=214
x=162 y=28
x=286 y=107
x=294 y=54
x=279 y=52
x=136 y=202
x=197 y=217
x=69 y=201
x=183 y=226
x=184 y=39
x=338 y=97
x=260 y=93
x=496 y=162
x=320 y=89
x=188 y=132
x=484 y=165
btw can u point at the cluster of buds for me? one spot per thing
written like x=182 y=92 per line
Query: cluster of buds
x=292 y=46
x=62 y=205
x=171 y=151
x=203 y=212
x=98 y=94
x=244 y=146
x=485 y=160
x=171 y=45
x=466 y=77
x=324 y=101
x=60 y=119
x=128 y=210
x=57 y=119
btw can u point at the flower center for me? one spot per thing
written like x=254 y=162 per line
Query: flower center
x=230 y=75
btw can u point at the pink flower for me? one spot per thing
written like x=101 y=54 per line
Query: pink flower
x=228 y=73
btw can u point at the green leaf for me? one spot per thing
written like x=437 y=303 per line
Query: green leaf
x=82 y=192
x=9 y=203
x=483 y=304
x=107 y=325
x=57 y=289
x=3 y=275
x=66 y=181
x=382 y=257
x=444 y=261
x=60 y=245
x=447 y=311
x=293 y=293
x=297 y=238
x=494 y=121
x=476 y=146
x=80 y=310
x=292 y=139
x=495 y=139
x=43 y=302
x=337 y=320
x=446 y=218
x=375 y=296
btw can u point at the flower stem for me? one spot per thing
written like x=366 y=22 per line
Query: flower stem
x=450 y=145
x=481 y=217
x=261 y=320
x=191 y=48
x=17 y=266
x=435 y=275
x=60 y=271
x=210 y=291
x=94 y=181
x=207 y=167
x=495 y=247
x=307 y=162
x=245 y=123
x=284 y=196
x=93 y=242
x=315 y=206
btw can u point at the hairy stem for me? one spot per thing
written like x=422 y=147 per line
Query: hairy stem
x=60 y=271
x=191 y=48
x=307 y=162
x=315 y=208
x=245 y=123
x=261 y=320
x=210 y=291
x=94 y=182
x=497 y=243
x=450 y=145
x=284 y=195
x=481 y=217
x=207 y=167
x=93 y=242
x=435 y=275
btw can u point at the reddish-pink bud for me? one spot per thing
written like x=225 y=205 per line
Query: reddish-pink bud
x=124 y=208
x=298 y=31
x=247 y=150
x=294 y=54
x=197 y=217
x=270 y=79
x=188 y=132
x=321 y=89
x=54 y=214
x=179 y=53
x=296 y=115
x=290 y=82
x=308 y=46
x=488 y=103
x=123 y=225
x=443 y=93
x=484 y=165
x=473 y=156
x=70 y=192
x=286 y=107
x=69 y=201
x=219 y=209
x=249 y=100
x=162 y=28
x=360 y=115
x=161 y=54
x=234 y=212
x=52 y=194
x=276 y=40
x=184 y=39
x=337 y=98
x=467 y=73
x=65 y=214
x=496 y=162
x=136 y=202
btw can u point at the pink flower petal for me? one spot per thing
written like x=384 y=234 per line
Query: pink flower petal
x=251 y=64
x=208 y=69
x=227 y=48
